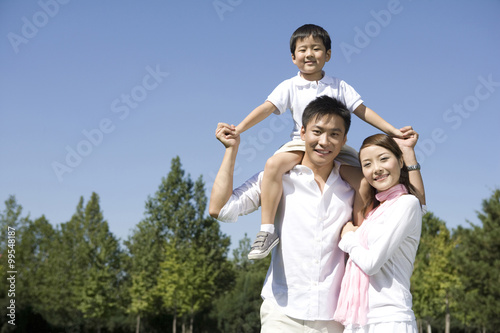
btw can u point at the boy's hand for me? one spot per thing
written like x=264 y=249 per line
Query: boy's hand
x=402 y=133
x=409 y=139
x=397 y=133
x=226 y=134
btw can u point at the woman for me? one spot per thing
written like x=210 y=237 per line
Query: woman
x=375 y=294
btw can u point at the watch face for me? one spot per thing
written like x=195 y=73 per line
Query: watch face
x=413 y=167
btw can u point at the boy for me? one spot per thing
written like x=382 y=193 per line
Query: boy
x=310 y=46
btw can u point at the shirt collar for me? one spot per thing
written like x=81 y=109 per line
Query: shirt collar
x=302 y=170
x=300 y=81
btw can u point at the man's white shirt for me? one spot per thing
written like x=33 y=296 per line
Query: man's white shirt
x=307 y=266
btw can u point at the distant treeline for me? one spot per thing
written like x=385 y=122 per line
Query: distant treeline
x=173 y=273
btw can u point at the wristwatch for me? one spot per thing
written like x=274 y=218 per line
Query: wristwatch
x=413 y=167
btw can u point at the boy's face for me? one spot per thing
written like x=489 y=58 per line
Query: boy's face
x=324 y=137
x=310 y=57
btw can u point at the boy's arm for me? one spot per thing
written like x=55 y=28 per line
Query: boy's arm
x=371 y=117
x=223 y=184
x=256 y=116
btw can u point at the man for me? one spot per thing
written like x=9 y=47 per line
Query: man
x=303 y=282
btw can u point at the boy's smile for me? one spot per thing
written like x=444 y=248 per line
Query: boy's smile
x=310 y=57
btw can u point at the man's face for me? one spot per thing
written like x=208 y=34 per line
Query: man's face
x=324 y=137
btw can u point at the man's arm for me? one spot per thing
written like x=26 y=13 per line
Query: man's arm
x=223 y=184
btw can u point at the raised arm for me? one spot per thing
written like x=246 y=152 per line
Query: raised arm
x=256 y=116
x=407 y=146
x=371 y=117
x=223 y=184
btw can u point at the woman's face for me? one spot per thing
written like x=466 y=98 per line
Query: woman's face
x=380 y=167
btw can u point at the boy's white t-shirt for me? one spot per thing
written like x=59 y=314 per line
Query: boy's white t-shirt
x=296 y=93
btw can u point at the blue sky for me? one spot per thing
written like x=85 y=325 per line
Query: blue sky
x=99 y=96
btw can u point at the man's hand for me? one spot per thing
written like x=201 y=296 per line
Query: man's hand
x=226 y=134
x=223 y=183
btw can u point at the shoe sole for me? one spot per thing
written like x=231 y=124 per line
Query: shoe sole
x=264 y=254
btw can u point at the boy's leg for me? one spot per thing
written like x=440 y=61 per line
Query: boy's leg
x=271 y=190
x=350 y=171
x=348 y=156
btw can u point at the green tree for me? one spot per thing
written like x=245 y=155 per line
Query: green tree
x=148 y=244
x=102 y=273
x=84 y=278
x=477 y=258
x=168 y=215
x=434 y=279
x=34 y=254
x=238 y=308
x=10 y=219
x=184 y=261
x=146 y=248
x=68 y=263
x=11 y=227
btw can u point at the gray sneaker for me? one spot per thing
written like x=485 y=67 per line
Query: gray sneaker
x=263 y=245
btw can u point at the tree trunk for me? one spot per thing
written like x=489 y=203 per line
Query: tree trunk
x=429 y=328
x=174 y=323
x=447 y=317
x=419 y=326
x=138 y=324
x=191 y=321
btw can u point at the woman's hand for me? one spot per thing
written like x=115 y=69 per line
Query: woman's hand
x=347 y=228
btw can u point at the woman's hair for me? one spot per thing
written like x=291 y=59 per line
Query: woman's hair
x=385 y=141
x=310 y=30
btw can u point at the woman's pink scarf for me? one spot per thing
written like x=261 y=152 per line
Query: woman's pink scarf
x=352 y=307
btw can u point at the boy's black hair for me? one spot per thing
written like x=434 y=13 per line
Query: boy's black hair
x=326 y=106
x=310 y=30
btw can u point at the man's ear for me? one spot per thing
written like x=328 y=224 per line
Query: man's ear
x=303 y=133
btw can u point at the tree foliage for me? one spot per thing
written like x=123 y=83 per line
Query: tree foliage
x=178 y=255
x=238 y=309
x=434 y=279
x=175 y=273
x=477 y=258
